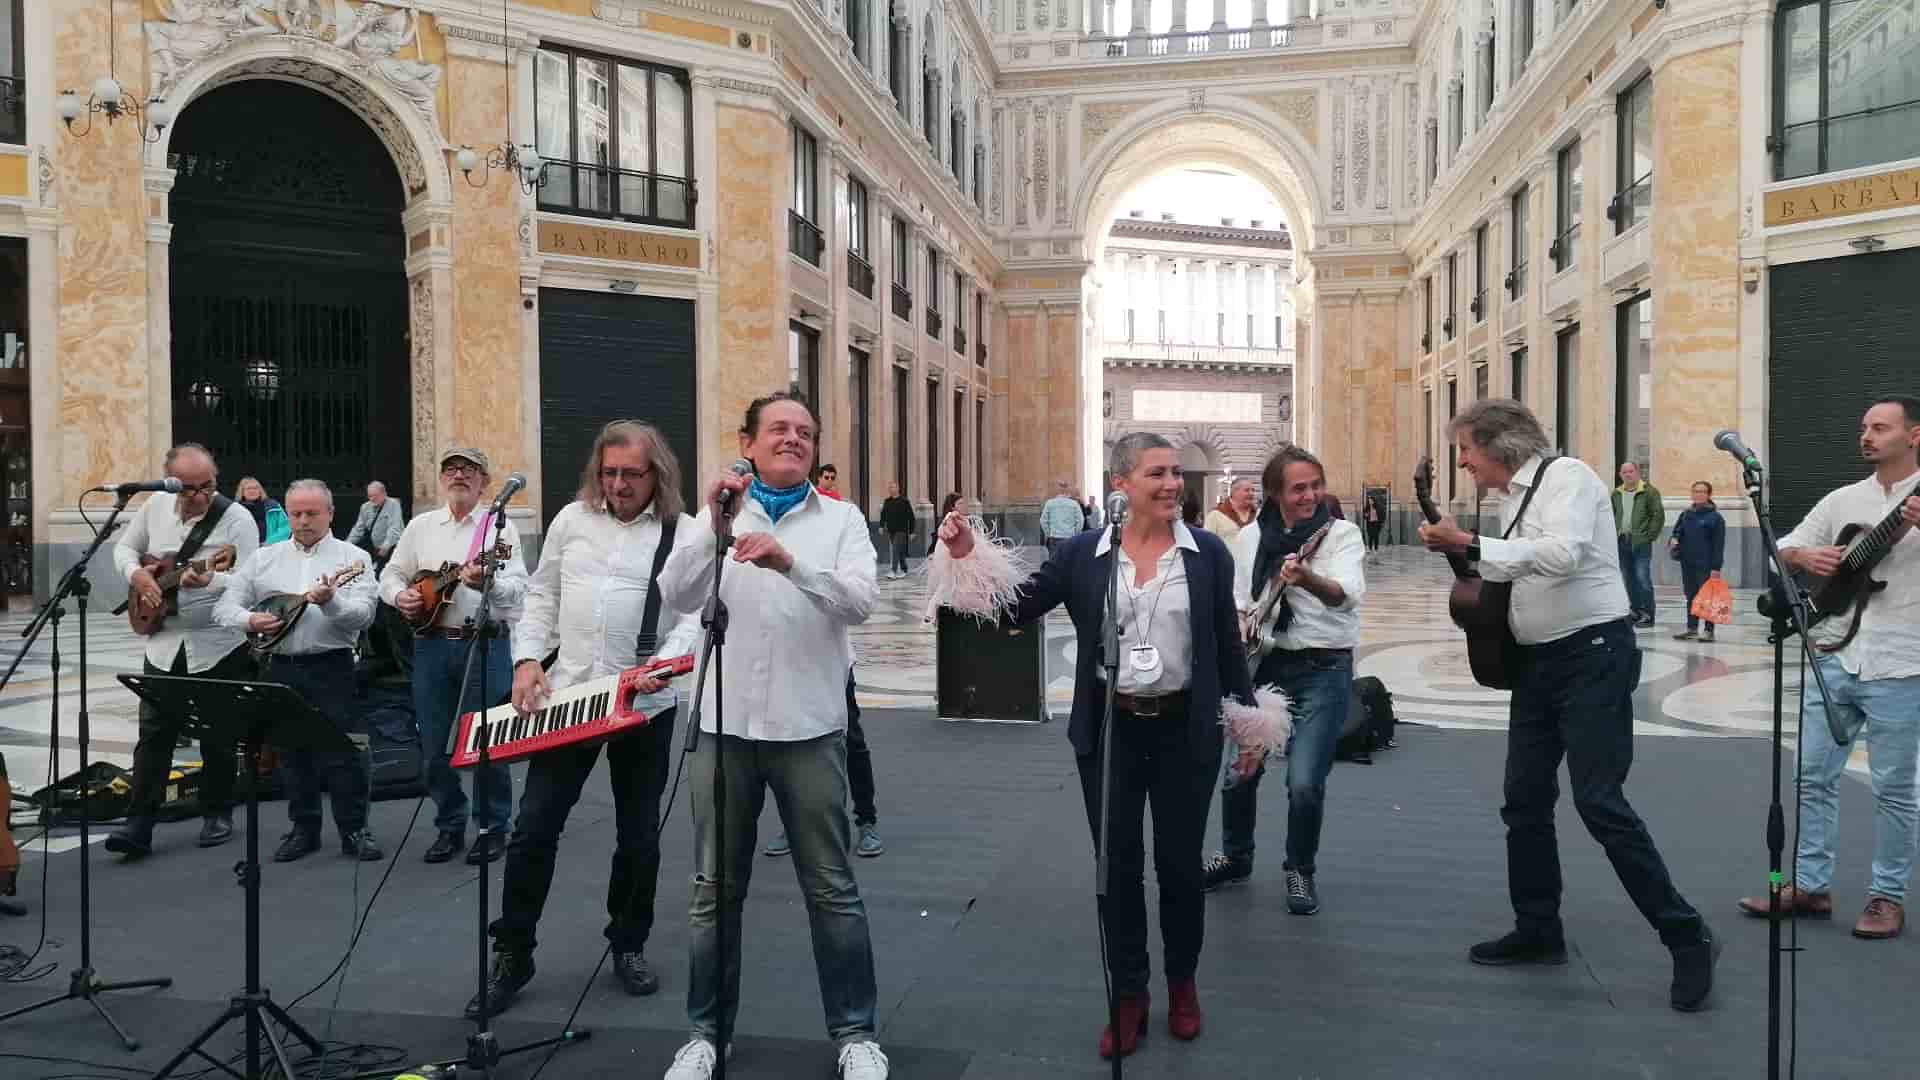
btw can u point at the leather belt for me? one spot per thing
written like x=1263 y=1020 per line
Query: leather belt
x=330 y=655
x=462 y=633
x=1148 y=705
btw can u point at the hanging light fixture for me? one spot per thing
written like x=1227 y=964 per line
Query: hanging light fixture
x=110 y=99
x=521 y=159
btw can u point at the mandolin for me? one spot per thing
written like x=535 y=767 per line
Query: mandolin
x=435 y=587
x=1270 y=619
x=167 y=574
x=1477 y=605
x=288 y=607
x=1852 y=585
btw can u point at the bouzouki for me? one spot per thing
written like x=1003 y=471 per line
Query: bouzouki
x=435 y=587
x=167 y=572
x=1270 y=619
x=288 y=607
x=1852 y=585
x=1478 y=606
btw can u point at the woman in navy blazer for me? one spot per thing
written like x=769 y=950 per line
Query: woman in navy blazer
x=1180 y=655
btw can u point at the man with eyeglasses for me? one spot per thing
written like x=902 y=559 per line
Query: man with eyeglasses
x=187 y=643
x=458 y=533
x=596 y=600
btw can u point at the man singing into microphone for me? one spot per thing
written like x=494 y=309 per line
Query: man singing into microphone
x=801 y=572
x=456 y=535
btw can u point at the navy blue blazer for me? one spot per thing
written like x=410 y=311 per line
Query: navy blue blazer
x=1073 y=575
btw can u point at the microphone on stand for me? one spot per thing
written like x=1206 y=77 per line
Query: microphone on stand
x=1117 y=507
x=513 y=485
x=131 y=487
x=1729 y=440
x=742 y=467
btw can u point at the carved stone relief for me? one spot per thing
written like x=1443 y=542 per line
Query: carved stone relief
x=421 y=329
x=1023 y=182
x=1021 y=52
x=1019 y=14
x=1060 y=115
x=1301 y=108
x=1040 y=14
x=999 y=171
x=47 y=194
x=1340 y=148
x=1413 y=146
x=1097 y=120
x=1383 y=138
x=1042 y=178
x=1362 y=145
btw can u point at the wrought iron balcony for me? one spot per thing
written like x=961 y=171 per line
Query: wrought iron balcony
x=859 y=275
x=803 y=237
x=576 y=187
x=960 y=339
x=980 y=352
x=902 y=302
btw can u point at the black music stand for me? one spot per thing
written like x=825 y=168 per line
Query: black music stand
x=250 y=714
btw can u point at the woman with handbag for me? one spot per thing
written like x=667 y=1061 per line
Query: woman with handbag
x=1699 y=541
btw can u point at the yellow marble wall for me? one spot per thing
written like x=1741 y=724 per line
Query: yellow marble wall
x=753 y=149
x=1379 y=342
x=103 y=424
x=1696 y=276
x=486 y=274
x=1028 y=477
x=1065 y=402
x=1336 y=439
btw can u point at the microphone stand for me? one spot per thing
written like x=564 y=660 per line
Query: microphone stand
x=1110 y=661
x=83 y=984
x=713 y=618
x=1789 y=617
x=483 y=1050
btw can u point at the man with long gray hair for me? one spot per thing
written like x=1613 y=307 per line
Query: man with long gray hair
x=1574 y=673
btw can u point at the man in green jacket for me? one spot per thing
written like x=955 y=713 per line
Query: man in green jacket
x=1638 y=517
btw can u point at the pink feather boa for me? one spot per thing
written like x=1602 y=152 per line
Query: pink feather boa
x=1267 y=724
x=985 y=584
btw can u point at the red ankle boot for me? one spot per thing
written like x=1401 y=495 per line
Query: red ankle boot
x=1132 y=1009
x=1183 y=1008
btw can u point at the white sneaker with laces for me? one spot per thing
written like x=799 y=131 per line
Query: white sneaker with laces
x=861 y=1061
x=695 y=1061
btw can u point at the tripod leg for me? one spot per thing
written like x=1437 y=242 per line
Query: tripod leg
x=35 y=1007
x=129 y=1041
x=292 y=1026
x=280 y=1056
x=193 y=1047
x=134 y=984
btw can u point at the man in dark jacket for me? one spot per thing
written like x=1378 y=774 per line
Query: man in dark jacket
x=896 y=516
x=1699 y=541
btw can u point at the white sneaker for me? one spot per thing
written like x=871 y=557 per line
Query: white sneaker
x=695 y=1061
x=862 y=1061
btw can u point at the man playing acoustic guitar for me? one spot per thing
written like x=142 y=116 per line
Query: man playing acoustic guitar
x=1874 y=679
x=197 y=522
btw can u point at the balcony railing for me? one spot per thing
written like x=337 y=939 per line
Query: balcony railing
x=13 y=112
x=1170 y=353
x=934 y=323
x=1630 y=207
x=1186 y=42
x=960 y=340
x=859 y=275
x=577 y=187
x=902 y=303
x=803 y=237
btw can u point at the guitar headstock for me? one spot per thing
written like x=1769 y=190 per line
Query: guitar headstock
x=1423 y=488
x=341 y=577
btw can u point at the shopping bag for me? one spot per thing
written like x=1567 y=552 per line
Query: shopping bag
x=1714 y=601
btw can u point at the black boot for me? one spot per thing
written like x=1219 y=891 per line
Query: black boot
x=1693 y=972
x=511 y=972
x=216 y=828
x=634 y=974
x=134 y=838
x=1518 y=948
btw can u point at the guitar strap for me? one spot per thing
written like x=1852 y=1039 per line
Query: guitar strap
x=196 y=537
x=649 y=640
x=1539 y=476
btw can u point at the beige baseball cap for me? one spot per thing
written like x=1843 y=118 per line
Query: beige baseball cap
x=471 y=453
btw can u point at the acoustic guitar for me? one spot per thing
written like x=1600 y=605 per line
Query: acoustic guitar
x=1852 y=585
x=288 y=607
x=1270 y=619
x=167 y=572
x=435 y=587
x=1478 y=606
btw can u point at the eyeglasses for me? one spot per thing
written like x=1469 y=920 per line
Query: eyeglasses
x=631 y=476
x=453 y=467
x=208 y=488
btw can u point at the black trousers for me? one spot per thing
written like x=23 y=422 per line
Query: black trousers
x=898 y=542
x=326 y=681
x=159 y=734
x=1573 y=698
x=1373 y=534
x=1155 y=759
x=859 y=763
x=638 y=764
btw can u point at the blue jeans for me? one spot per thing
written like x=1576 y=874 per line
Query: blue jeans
x=1636 y=568
x=1890 y=709
x=809 y=784
x=437 y=665
x=1319 y=685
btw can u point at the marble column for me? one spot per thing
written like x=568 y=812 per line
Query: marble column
x=1141 y=8
x=1100 y=16
x=1298 y=11
x=159 y=182
x=1259 y=12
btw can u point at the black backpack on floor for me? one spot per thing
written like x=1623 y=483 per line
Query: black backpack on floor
x=1369 y=725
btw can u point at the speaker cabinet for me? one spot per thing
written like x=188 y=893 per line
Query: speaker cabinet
x=990 y=672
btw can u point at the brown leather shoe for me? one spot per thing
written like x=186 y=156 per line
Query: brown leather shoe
x=1794 y=904
x=1883 y=918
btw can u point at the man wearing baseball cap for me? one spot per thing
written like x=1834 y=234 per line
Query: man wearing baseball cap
x=459 y=533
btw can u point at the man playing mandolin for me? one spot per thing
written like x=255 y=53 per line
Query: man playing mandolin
x=446 y=545
x=1299 y=572
x=186 y=643
x=1874 y=677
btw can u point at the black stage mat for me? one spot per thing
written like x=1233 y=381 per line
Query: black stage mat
x=985 y=945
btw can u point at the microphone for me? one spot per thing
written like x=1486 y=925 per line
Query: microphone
x=741 y=467
x=1117 y=507
x=514 y=483
x=165 y=483
x=1729 y=440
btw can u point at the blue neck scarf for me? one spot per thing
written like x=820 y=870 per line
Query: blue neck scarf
x=777 y=501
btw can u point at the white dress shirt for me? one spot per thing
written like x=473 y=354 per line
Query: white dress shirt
x=433 y=539
x=1888 y=644
x=286 y=567
x=156 y=529
x=787 y=651
x=589 y=595
x=1564 y=559
x=1158 y=614
x=1341 y=558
